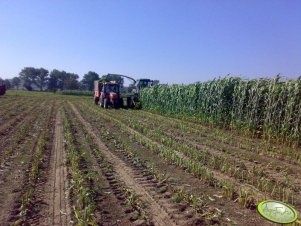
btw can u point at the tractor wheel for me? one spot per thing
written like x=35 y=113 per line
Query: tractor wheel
x=121 y=103
x=105 y=103
x=96 y=99
x=114 y=104
x=129 y=102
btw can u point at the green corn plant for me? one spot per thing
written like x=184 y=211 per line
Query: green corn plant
x=261 y=107
x=196 y=160
x=84 y=208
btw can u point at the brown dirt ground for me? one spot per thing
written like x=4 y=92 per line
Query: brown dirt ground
x=160 y=216
x=56 y=188
x=51 y=202
x=14 y=168
x=231 y=210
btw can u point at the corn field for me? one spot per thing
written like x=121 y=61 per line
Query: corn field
x=269 y=108
x=66 y=161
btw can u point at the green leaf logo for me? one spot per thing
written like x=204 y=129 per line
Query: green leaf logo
x=277 y=212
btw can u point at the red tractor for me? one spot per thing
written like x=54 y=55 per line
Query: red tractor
x=107 y=94
x=2 y=88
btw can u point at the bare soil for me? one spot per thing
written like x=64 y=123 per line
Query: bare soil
x=131 y=183
x=15 y=164
x=57 y=185
x=126 y=174
x=231 y=211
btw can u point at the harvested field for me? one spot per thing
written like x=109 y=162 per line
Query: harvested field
x=66 y=161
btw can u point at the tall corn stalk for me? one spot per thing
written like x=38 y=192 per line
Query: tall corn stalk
x=263 y=107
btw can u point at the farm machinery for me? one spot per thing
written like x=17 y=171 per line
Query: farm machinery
x=109 y=93
x=2 y=88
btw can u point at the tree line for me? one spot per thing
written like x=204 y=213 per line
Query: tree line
x=31 y=78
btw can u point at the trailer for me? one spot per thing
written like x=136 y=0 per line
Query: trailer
x=2 y=88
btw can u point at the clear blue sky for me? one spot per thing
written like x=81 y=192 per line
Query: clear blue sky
x=175 y=41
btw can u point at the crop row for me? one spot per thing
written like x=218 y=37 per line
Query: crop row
x=12 y=109
x=210 y=135
x=188 y=138
x=254 y=176
x=12 y=123
x=84 y=205
x=106 y=168
x=17 y=139
x=6 y=101
x=93 y=151
x=196 y=168
x=38 y=158
x=130 y=152
x=87 y=166
x=264 y=107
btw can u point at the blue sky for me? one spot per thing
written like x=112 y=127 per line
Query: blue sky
x=175 y=41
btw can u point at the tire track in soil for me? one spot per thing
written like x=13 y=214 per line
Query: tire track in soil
x=56 y=188
x=127 y=175
x=111 y=208
x=272 y=174
x=232 y=210
x=216 y=174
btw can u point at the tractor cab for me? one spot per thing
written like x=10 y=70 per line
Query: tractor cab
x=143 y=83
x=111 y=87
x=107 y=94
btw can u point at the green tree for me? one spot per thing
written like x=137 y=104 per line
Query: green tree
x=71 y=81
x=7 y=83
x=27 y=85
x=28 y=75
x=61 y=80
x=52 y=83
x=36 y=76
x=56 y=80
x=41 y=78
x=88 y=80
x=16 y=82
